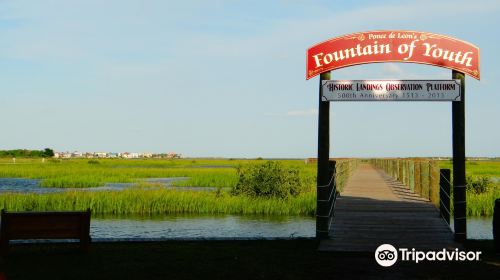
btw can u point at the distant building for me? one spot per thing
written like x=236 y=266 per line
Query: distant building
x=66 y=155
x=173 y=155
x=130 y=155
x=134 y=155
x=125 y=155
x=112 y=155
x=77 y=155
x=101 y=155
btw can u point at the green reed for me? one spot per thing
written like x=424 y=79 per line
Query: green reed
x=83 y=173
x=158 y=201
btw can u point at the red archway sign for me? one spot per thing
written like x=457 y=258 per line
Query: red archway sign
x=393 y=46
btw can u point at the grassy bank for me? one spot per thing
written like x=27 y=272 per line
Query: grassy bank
x=477 y=168
x=485 y=174
x=83 y=173
x=146 y=200
x=159 y=201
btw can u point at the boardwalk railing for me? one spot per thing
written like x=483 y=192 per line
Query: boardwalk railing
x=444 y=195
x=327 y=194
x=423 y=177
x=420 y=175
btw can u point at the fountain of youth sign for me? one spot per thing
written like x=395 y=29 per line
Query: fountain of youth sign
x=392 y=46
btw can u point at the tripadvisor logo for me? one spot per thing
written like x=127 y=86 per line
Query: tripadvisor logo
x=386 y=255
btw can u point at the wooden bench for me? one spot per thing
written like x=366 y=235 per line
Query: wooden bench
x=45 y=225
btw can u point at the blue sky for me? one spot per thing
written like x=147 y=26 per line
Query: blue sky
x=227 y=78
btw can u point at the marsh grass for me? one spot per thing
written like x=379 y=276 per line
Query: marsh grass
x=78 y=173
x=482 y=204
x=482 y=190
x=147 y=200
x=150 y=198
x=476 y=168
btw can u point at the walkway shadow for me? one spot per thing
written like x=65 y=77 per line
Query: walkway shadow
x=397 y=216
x=362 y=224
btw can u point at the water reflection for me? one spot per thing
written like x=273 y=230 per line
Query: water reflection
x=195 y=226
x=21 y=185
x=478 y=227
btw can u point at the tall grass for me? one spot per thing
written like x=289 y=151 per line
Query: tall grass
x=210 y=177
x=476 y=168
x=479 y=203
x=159 y=201
x=482 y=204
x=79 y=173
x=82 y=173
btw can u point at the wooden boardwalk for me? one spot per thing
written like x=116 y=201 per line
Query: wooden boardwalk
x=375 y=209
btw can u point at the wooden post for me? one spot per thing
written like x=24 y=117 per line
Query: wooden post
x=323 y=151
x=411 y=175
x=424 y=179
x=4 y=241
x=459 y=190
x=416 y=180
x=85 y=238
x=496 y=225
x=404 y=174
x=400 y=170
x=444 y=194
x=434 y=183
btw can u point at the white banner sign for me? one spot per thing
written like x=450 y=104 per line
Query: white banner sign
x=391 y=90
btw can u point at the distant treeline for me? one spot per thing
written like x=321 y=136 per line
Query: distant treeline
x=22 y=153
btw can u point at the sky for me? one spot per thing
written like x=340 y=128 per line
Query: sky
x=227 y=78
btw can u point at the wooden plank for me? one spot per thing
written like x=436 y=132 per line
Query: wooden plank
x=375 y=209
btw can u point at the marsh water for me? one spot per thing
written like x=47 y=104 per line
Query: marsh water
x=478 y=227
x=21 y=185
x=199 y=226
x=230 y=226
